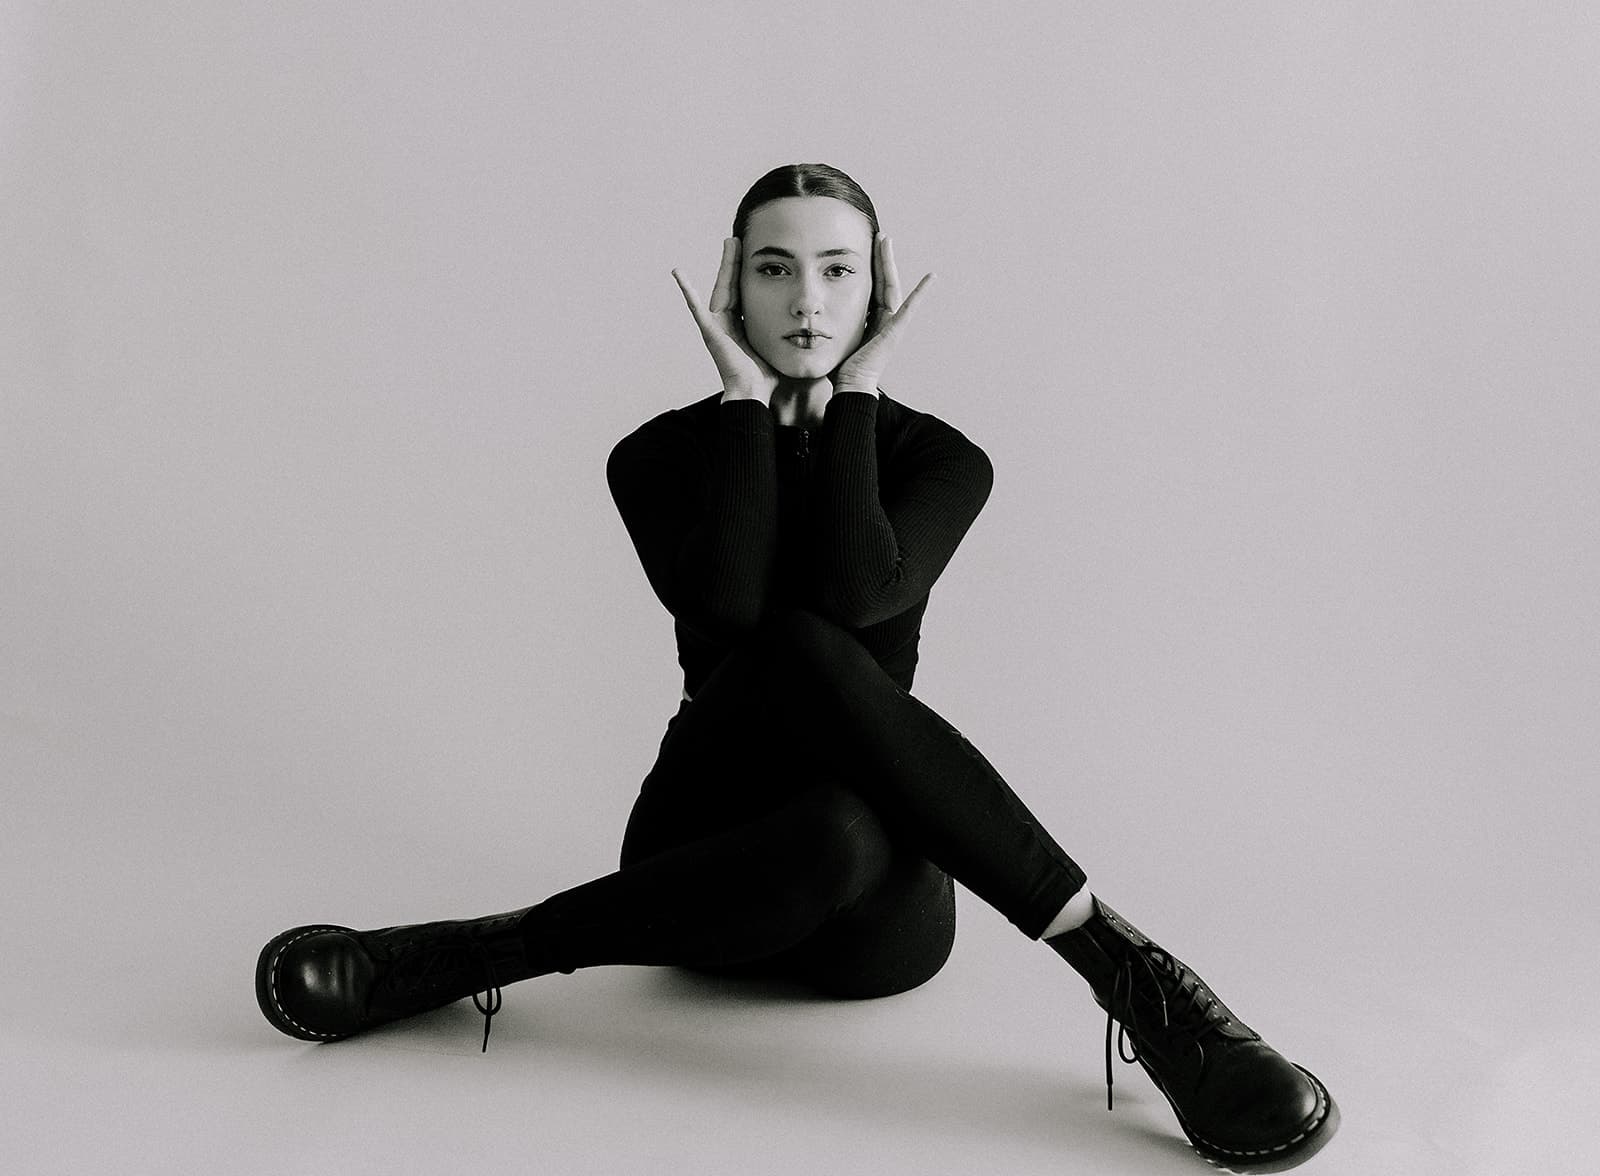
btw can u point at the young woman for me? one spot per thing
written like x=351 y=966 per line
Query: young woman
x=806 y=814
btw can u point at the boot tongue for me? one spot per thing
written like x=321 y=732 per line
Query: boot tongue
x=1190 y=1002
x=1098 y=949
x=1120 y=925
x=1122 y=964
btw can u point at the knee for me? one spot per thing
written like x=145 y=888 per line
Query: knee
x=905 y=943
x=840 y=846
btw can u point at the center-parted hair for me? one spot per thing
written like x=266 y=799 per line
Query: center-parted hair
x=803 y=179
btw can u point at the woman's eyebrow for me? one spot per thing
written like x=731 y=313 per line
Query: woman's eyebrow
x=775 y=251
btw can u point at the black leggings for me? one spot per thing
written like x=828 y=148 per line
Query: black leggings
x=804 y=818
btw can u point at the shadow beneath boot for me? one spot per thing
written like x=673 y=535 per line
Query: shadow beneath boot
x=770 y=1041
x=756 y=1043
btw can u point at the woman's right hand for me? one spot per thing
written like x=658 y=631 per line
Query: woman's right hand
x=745 y=375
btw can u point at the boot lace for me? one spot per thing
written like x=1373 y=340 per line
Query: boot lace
x=1185 y=1003
x=426 y=968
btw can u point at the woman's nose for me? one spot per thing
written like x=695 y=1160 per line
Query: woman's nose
x=807 y=298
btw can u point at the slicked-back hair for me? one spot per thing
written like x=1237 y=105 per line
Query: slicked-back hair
x=803 y=179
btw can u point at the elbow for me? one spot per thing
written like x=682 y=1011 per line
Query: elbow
x=872 y=613
x=856 y=606
x=618 y=462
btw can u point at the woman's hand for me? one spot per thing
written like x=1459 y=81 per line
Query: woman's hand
x=862 y=370
x=745 y=375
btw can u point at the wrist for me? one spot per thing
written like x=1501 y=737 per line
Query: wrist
x=846 y=380
x=739 y=394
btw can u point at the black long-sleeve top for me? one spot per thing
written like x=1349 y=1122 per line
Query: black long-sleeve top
x=733 y=515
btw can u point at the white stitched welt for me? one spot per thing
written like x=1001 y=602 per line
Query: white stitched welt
x=272 y=979
x=1322 y=1102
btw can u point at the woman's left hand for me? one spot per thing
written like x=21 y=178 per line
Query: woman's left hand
x=862 y=370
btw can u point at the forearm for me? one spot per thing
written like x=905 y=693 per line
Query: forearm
x=854 y=546
x=726 y=560
x=702 y=515
x=881 y=538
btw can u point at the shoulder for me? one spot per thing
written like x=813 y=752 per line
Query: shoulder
x=898 y=419
x=698 y=417
x=922 y=437
x=686 y=430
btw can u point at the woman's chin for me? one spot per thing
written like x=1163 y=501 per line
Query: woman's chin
x=804 y=367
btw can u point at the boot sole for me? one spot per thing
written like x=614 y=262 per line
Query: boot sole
x=267 y=983
x=1289 y=1154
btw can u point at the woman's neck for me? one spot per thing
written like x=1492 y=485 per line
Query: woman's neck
x=800 y=402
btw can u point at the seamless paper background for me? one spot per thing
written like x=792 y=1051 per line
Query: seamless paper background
x=317 y=323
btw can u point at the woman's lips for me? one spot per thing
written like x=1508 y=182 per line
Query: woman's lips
x=805 y=341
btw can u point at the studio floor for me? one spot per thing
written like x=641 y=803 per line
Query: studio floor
x=134 y=1044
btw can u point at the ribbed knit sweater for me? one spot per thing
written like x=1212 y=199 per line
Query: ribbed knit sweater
x=733 y=515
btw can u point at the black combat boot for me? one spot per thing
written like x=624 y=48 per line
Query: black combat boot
x=323 y=983
x=1241 y=1103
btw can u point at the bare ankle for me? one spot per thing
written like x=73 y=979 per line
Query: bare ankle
x=1073 y=915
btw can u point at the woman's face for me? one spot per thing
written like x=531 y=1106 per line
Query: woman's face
x=805 y=283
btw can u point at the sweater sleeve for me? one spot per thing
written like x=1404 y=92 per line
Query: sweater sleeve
x=705 y=531
x=881 y=542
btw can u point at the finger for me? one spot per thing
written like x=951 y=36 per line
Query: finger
x=908 y=306
x=877 y=274
x=877 y=320
x=691 y=298
x=891 y=277
x=725 y=293
x=689 y=294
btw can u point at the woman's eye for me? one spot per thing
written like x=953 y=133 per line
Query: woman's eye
x=771 y=269
x=838 y=271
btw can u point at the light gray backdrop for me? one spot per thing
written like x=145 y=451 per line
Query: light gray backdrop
x=318 y=321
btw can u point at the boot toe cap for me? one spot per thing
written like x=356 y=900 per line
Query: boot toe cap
x=313 y=982
x=1275 y=1112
